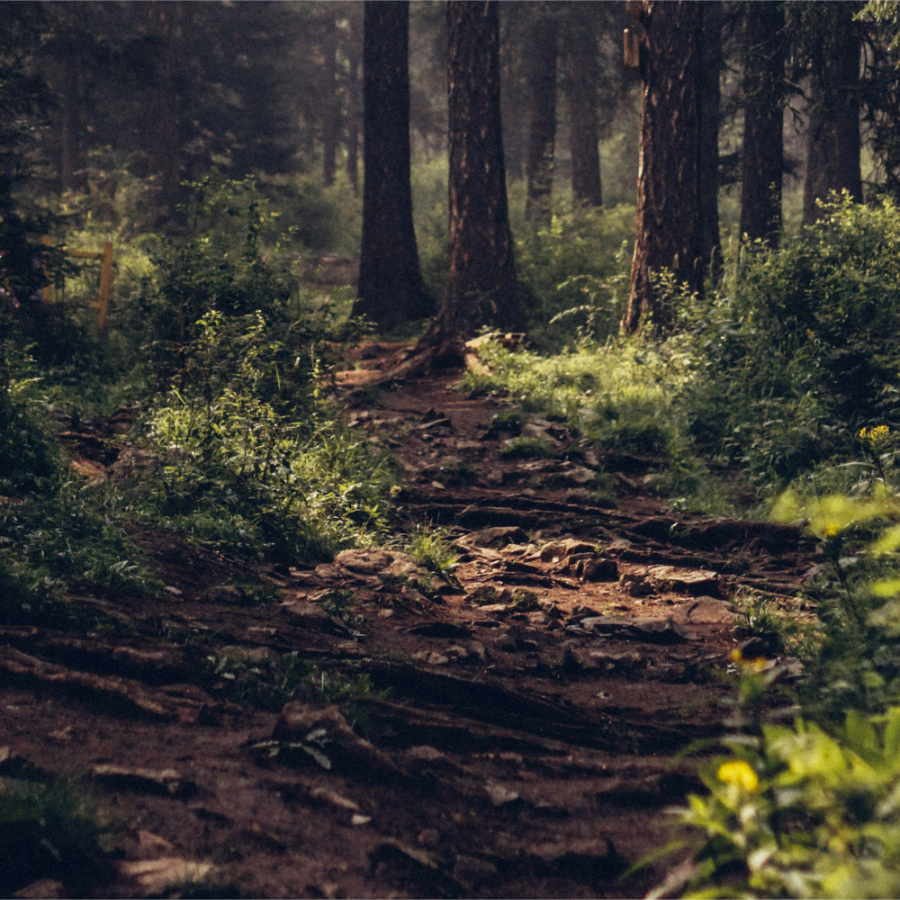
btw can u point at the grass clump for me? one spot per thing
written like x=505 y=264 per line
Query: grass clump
x=431 y=549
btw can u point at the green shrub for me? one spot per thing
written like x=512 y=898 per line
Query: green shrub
x=797 y=353
x=30 y=458
x=257 y=473
x=574 y=274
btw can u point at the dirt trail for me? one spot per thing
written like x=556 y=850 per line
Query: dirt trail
x=525 y=747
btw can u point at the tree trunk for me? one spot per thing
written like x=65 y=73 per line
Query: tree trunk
x=70 y=132
x=481 y=285
x=353 y=105
x=542 y=132
x=763 y=163
x=331 y=104
x=833 y=143
x=668 y=202
x=710 y=95
x=581 y=93
x=391 y=290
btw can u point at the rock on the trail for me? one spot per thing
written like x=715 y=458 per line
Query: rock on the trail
x=379 y=563
x=696 y=582
x=650 y=629
x=597 y=569
x=557 y=551
x=498 y=536
x=706 y=611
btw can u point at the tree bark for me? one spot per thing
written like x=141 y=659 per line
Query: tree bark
x=710 y=96
x=391 y=290
x=331 y=105
x=763 y=162
x=581 y=88
x=668 y=202
x=542 y=131
x=833 y=142
x=481 y=285
x=70 y=131
x=353 y=105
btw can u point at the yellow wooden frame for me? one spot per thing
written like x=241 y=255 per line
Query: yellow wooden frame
x=102 y=303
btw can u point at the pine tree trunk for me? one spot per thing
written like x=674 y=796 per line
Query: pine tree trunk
x=70 y=132
x=391 y=290
x=481 y=285
x=331 y=105
x=763 y=162
x=668 y=202
x=353 y=107
x=710 y=95
x=581 y=92
x=833 y=142
x=542 y=132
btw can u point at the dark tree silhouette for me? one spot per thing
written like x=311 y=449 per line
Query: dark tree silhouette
x=763 y=156
x=710 y=97
x=832 y=138
x=579 y=45
x=543 y=53
x=481 y=284
x=391 y=290
x=669 y=220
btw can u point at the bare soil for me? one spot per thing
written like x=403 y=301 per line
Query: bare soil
x=523 y=731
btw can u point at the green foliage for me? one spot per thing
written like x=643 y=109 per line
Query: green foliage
x=268 y=681
x=29 y=455
x=574 y=274
x=49 y=831
x=252 y=472
x=802 y=811
x=798 y=352
x=431 y=549
x=72 y=538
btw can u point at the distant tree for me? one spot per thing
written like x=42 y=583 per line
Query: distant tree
x=390 y=290
x=331 y=111
x=669 y=218
x=354 y=99
x=481 y=284
x=831 y=41
x=542 y=57
x=581 y=84
x=764 y=97
x=710 y=100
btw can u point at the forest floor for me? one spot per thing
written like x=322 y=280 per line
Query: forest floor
x=520 y=731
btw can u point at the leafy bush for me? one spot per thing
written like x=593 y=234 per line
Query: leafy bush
x=798 y=353
x=29 y=454
x=574 y=274
x=257 y=473
x=803 y=811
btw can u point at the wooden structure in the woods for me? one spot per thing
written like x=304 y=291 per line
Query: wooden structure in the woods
x=105 y=256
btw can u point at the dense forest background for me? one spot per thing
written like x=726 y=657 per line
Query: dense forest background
x=688 y=209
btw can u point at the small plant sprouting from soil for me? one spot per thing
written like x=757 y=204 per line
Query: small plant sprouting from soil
x=431 y=549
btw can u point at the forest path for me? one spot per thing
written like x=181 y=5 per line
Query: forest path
x=527 y=743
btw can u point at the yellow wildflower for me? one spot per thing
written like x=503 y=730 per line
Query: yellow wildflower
x=739 y=773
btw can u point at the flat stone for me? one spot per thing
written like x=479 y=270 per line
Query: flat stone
x=651 y=629
x=696 y=583
x=706 y=611
x=498 y=536
x=556 y=551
